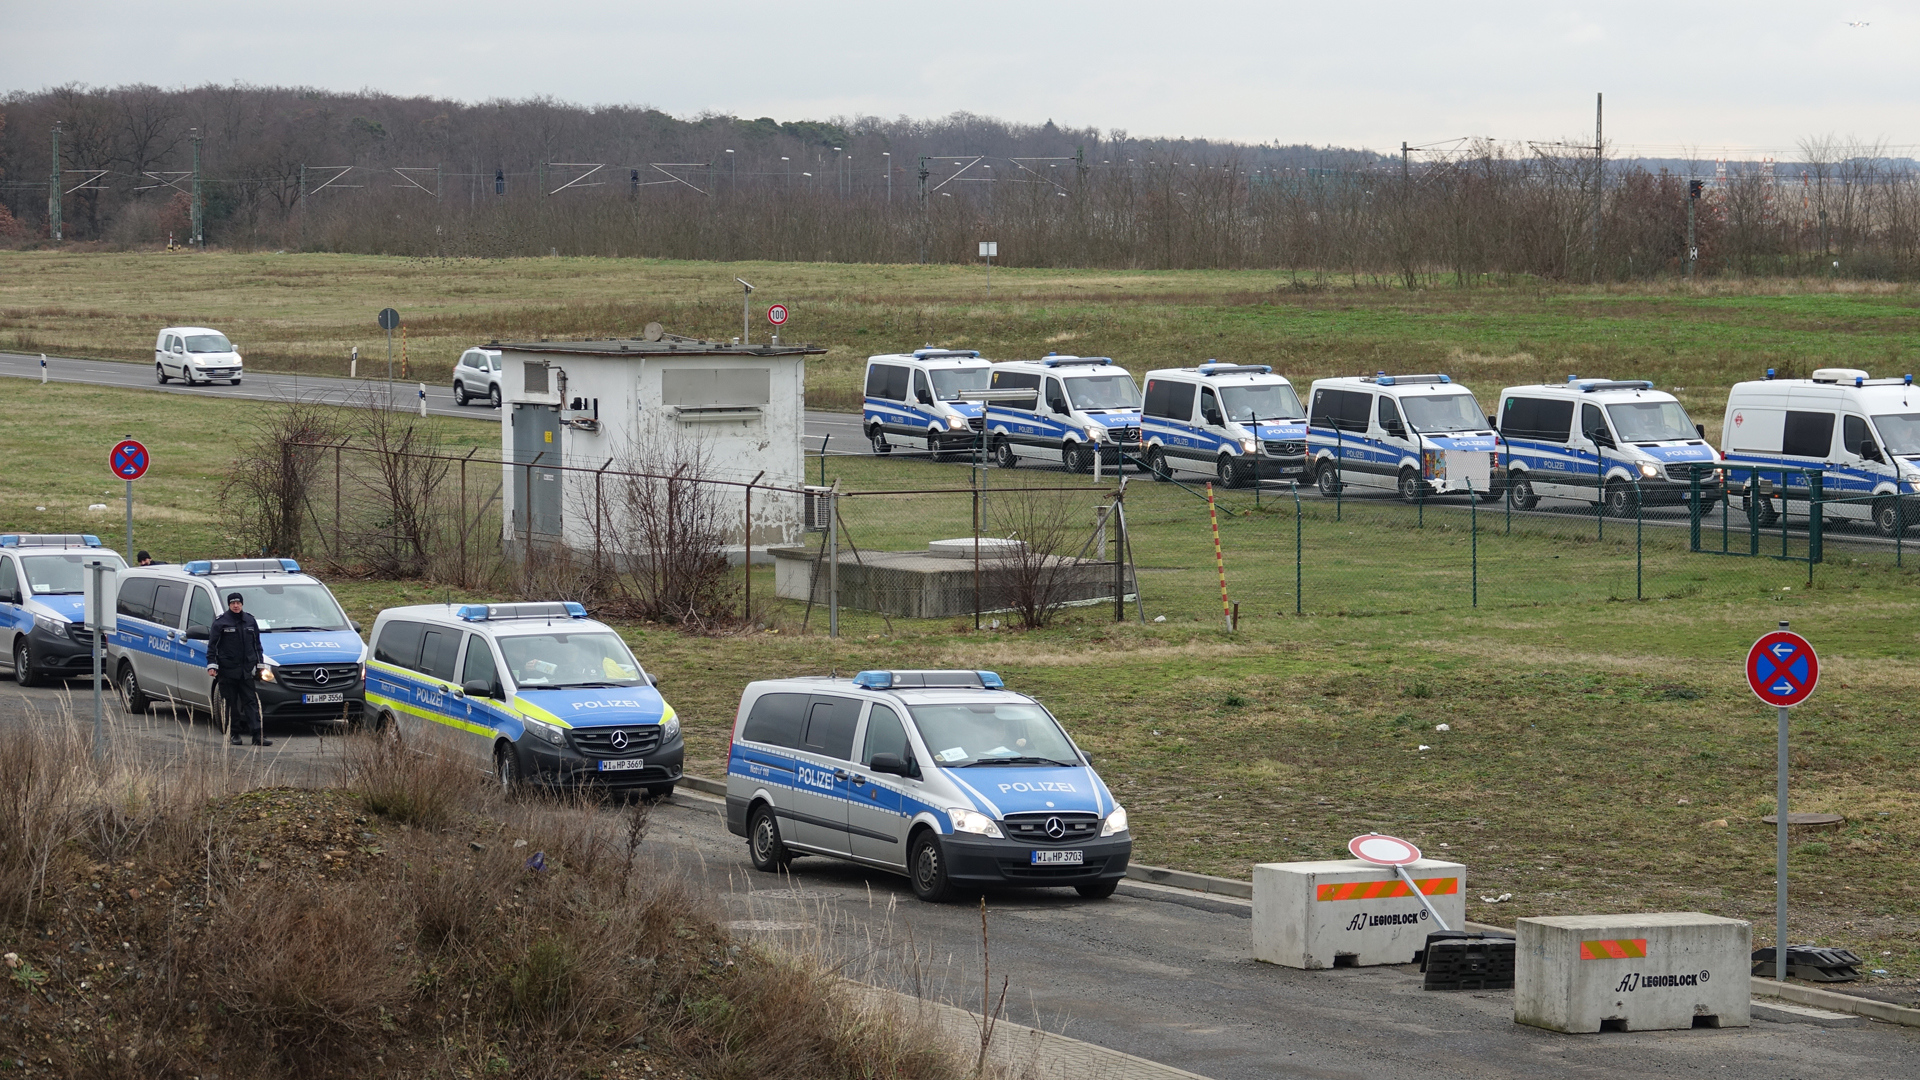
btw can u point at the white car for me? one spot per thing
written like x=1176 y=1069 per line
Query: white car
x=477 y=377
x=195 y=354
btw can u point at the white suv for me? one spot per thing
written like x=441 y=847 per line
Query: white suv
x=195 y=354
x=477 y=377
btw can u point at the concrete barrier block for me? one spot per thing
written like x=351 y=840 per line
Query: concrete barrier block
x=1653 y=972
x=1348 y=913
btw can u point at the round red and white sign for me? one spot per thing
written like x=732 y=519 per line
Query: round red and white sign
x=1383 y=850
x=777 y=314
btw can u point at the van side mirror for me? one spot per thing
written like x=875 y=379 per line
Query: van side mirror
x=924 y=397
x=1600 y=438
x=1701 y=430
x=354 y=624
x=1396 y=429
x=1214 y=418
x=893 y=764
x=199 y=633
x=1870 y=451
x=479 y=688
x=652 y=679
x=1059 y=405
x=1493 y=422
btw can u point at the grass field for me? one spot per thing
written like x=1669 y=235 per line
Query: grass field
x=303 y=312
x=1603 y=754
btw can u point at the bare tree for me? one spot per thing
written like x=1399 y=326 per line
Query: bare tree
x=398 y=501
x=669 y=528
x=266 y=494
x=1034 y=577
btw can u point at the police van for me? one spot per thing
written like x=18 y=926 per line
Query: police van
x=1420 y=435
x=534 y=693
x=916 y=395
x=42 y=585
x=1630 y=440
x=944 y=776
x=1240 y=422
x=164 y=617
x=1862 y=431
x=1081 y=406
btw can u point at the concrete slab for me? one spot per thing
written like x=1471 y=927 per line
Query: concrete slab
x=1649 y=972
x=1781 y=1012
x=1349 y=913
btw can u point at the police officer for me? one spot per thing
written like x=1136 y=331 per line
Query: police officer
x=233 y=659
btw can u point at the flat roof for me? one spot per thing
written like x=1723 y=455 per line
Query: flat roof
x=672 y=345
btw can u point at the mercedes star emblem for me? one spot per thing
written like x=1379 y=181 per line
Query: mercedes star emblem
x=1056 y=828
x=618 y=739
x=319 y=675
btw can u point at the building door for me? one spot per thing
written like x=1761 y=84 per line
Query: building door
x=536 y=473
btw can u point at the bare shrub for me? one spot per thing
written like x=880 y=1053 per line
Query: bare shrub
x=669 y=528
x=40 y=814
x=267 y=491
x=1035 y=576
x=399 y=523
x=414 y=787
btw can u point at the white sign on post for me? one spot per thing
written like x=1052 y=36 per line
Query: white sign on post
x=109 y=598
x=989 y=248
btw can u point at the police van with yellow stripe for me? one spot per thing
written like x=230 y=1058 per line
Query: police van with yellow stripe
x=536 y=693
x=944 y=776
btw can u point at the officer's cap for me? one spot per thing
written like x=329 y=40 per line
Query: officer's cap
x=234 y=598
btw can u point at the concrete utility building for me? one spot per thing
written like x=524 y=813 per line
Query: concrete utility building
x=574 y=408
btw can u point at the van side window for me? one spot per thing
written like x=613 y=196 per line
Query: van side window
x=885 y=735
x=1855 y=429
x=9 y=580
x=887 y=381
x=830 y=724
x=136 y=598
x=1154 y=401
x=438 y=648
x=479 y=666
x=168 y=599
x=1808 y=434
x=1209 y=404
x=399 y=644
x=1016 y=380
x=1389 y=414
x=1591 y=422
x=1536 y=418
x=1342 y=410
x=200 y=613
x=776 y=719
x=921 y=392
x=1056 y=398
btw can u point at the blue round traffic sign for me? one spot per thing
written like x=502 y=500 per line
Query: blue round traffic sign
x=129 y=460
x=1782 y=668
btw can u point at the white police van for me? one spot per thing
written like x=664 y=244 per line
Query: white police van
x=916 y=395
x=536 y=693
x=42 y=582
x=1240 y=422
x=164 y=616
x=1629 y=440
x=1862 y=431
x=944 y=776
x=1081 y=406
x=1420 y=435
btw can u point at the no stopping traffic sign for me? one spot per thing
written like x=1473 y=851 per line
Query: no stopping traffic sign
x=128 y=460
x=1782 y=668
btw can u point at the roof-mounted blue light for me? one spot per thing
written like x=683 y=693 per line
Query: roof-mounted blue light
x=50 y=540
x=992 y=680
x=1383 y=380
x=471 y=612
x=203 y=567
x=1909 y=379
x=874 y=680
x=936 y=354
x=1066 y=361
x=578 y=611
x=1769 y=373
x=199 y=566
x=909 y=680
x=1214 y=367
x=1859 y=381
x=551 y=609
x=1591 y=385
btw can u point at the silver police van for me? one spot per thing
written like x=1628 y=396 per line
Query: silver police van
x=1241 y=422
x=944 y=776
x=1081 y=406
x=1420 y=435
x=1617 y=442
x=43 y=633
x=917 y=395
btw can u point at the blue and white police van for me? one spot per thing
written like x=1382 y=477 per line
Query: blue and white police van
x=42 y=582
x=944 y=776
x=1241 y=422
x=1862 y=432
x=1081 y=406
x=1603 y=441
x=313 y=655
x=917 y=396
x=1420 y=435
x=534 y=693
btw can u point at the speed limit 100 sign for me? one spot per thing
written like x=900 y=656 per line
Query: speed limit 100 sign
x=777 y=314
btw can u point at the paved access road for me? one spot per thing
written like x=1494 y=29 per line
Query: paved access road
x=1159 y=973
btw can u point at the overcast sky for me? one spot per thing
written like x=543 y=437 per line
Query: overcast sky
x=1756 y=75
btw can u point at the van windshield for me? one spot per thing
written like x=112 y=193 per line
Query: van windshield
x=208 y=343
x=62 y=573
x=549 y=661
x=1443 y=412
x=1090 y=392
x=949 y=382
x=1000 y=733
x=1900 y=431
x=1651 y=421
x=289 y=608
x=1269 y=401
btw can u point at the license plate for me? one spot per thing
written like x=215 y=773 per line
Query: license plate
x=323 y=699
x=1059 y=858
x=627 y=763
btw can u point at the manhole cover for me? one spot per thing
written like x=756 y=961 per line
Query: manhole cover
x=1811 y=821
x=763 y=926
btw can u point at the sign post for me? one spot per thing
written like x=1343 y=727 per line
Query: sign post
x=989 y=249
x=97 y=610
x=1782 y=670
x=129 y=462
x=389 y=321
x=1383 y=850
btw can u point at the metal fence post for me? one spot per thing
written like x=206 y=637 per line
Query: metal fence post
x=463 y=518
x=1296 y=548
x=1693 y=508
x=1339 y=468
x=1639 y=520
x=1816 y=521
x=833 y=559
x=1473 y=519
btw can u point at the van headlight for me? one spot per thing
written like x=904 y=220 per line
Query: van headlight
x=1649 y=471
x=974 y=822
x=1249 y=446
x=546 y=731
x=669 y=727
x=1096 y=433
x=1116 y=822
x=956 y=423
x=56 y=627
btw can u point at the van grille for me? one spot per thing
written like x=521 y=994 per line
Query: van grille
x=1032 y=828
x=599 y=742
x=977 y=423
x=1285 y=447
x=308 y=677
x=1682 y=471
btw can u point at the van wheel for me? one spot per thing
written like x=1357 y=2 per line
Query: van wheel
x=1888 y=520
x=23 y=672
x=1327 y=479
x=1521 y=494
x=764 y=849
x=1157 y=465
x=493 y=396
x=160 y=374
x=459 y=393
x=1003 y=455
x=137 y=700
x=927 y=868
x=1767 y=514
x=1621 y=500
x=506 y=770
x=1412 y=488
x=1098 y=890
x=879 y=439
x=1231 y=472
x=935 y=451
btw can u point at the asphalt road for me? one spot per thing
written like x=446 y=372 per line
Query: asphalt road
x=1160 y=973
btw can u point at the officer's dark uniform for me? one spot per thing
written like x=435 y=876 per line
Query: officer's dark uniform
x=234 y=649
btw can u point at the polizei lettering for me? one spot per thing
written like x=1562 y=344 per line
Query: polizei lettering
x=1037 y=785
x=1639 y=981
x=1365 y=921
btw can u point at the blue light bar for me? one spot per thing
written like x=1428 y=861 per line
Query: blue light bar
x=934 y=354
x=1769 y=373
x=1858 y=381
x=544 y=610
x=1384 y=379
x=1214 y=367
x=1591 y=385
x=578 y=611
x=199 y=567
x=203 y=567
x=992 y=680
x=471 y=612
x=907 y=680
x=1065 y=361
x=874 y=680
x=49 y=540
